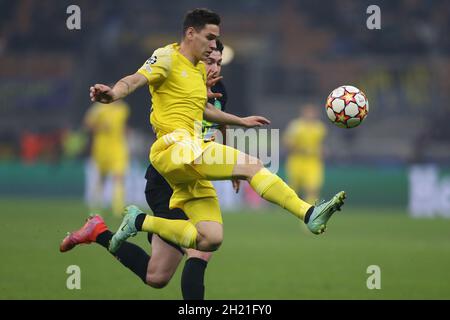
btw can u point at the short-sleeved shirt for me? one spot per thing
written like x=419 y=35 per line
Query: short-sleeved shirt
x=178 y=90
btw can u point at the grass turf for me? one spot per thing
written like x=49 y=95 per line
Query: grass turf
x=265 y=255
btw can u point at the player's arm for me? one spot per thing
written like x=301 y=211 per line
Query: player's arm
x=153 y=72
x=211 y=80
x=217 y=116
x=125 y=86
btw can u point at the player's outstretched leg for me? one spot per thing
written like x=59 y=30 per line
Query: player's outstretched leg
x=180 y=232
x=87 y=234
x=274 y=189
x=317 y=220
x=126 y=229
x=95 y=230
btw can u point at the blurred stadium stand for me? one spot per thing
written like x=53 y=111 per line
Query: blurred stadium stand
x=287 y=52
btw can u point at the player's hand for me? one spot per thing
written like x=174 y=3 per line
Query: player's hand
x=101 y=93
x=254 y=121
x=213 y=95
x=211 y=80
x=236 y=184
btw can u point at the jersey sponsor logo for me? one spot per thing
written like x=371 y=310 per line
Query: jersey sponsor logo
x=152 y=60
x=184 y=74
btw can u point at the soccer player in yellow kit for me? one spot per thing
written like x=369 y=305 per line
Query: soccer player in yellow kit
x=178 y=82
x=166 y=256
x=304 y=139
x=109 y=148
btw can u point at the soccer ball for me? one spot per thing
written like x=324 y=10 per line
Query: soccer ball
x=347 y=106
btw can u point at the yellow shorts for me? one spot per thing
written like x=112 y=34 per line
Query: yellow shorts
x=304 y=173
x=188 y=165
x=115 y=163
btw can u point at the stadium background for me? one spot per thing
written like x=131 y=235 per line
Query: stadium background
x=395 y=167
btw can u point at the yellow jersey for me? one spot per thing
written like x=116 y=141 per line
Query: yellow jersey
x=178 y=90
x=304 y=138
x=108 y=122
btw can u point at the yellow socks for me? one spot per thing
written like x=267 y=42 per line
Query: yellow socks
x=180 y=232
x=273 y=189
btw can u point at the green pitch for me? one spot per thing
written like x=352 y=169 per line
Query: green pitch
x=265 y=255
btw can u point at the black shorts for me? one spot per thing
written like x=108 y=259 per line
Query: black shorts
x=157 y=194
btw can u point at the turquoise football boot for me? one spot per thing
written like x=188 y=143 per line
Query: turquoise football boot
x=318 y=219
x=126 y=229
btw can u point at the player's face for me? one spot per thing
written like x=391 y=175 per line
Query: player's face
x=204 y=41
x=214 y=62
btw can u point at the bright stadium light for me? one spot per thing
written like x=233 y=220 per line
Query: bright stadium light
x=227 y=55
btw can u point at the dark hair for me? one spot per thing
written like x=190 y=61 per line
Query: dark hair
x=198 y=18
x=219 y=45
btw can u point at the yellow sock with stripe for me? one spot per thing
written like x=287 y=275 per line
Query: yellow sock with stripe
x=180 y=232
x=274 y=189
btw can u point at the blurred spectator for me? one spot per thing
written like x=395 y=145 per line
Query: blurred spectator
x=304 y=139
x=109 y=152
x=303 y=52
x=74 y=144
x=31 y=145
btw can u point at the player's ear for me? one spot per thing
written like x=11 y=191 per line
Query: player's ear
x=189 y=34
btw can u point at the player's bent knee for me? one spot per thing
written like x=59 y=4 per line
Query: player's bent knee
x=210 y=236
x=157 y=281
x=259 y=164
x=247 y=166
x=251 y=161
x=214 y=243
x=253 y=169
x=209 y=243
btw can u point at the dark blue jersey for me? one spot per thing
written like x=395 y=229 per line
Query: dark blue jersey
x=209 y=128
